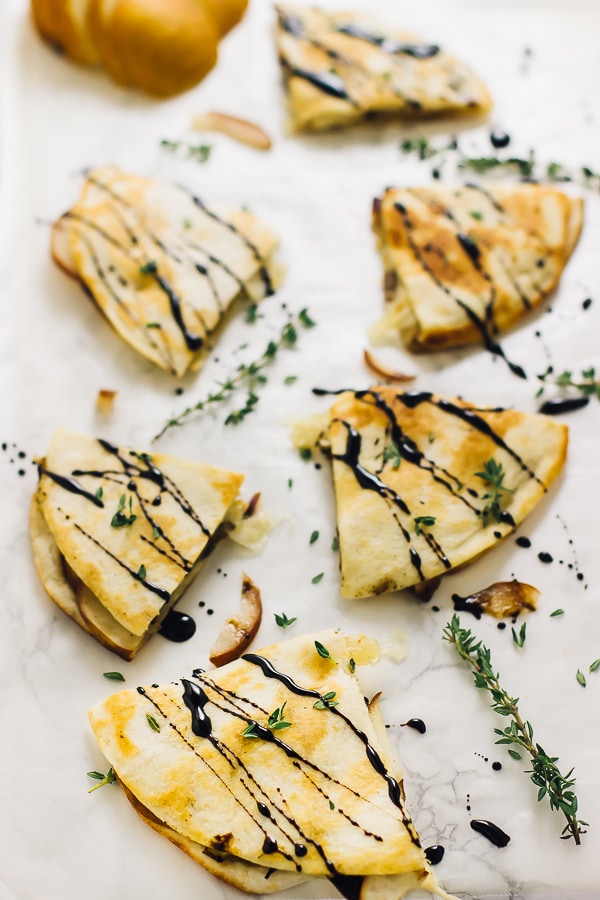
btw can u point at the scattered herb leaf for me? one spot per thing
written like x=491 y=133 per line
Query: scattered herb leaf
x=249 y=731
x=326 y=701
x=114 y=676
x=198 y=152
x=557 y=612
x=120 y=518
x=586 y=383
x=423 y=521
x=99 y=493
x=352 y=666
x=519 y=638
x=581 y=678
x=283 y=621
x=305 y=453
x=331 y=804
x=142 y=571
x=322 y=650
x=290 y=379
x=314 y=537
x=317 y=578
x=335 y=544
x=391 y=453
x=595 y=665
x=305 y=319
x=149 y=268
x=152 y=722
x=276 y=720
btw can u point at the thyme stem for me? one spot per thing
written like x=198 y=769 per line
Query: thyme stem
x=544 y=773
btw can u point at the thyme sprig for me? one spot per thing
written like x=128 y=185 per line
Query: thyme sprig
x=526 y=167
x=250 y=375
x=198 y=152
x=586 y=382
x=102 y=779
x=493 y=475
x=544 y=773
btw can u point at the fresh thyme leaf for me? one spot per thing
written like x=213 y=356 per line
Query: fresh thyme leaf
x=314 y=537
x=352 y=666
x=423 y=521
x=120 y=518
x=114 y=676
x=249 y=731
x=331 y=804
x=585 y=383
x=475 y=214
x=250 y=375
x=335 y=544
x=305 y=453
x=326 y=701
x=305 y=319
x=290 y=482
x=283 y=621
x=391 y=453
x=557 y=612
x=544 y=774
x=102 y=779
x=317 y=578
x=199 y=152
x=155 y=533
x=153 y=325
x=595 y=665
x=252 y=314
x=493 y=475
x=142 y=571
x=149 y=268
x=519 y=638
x=152 y=722
x=99 y=493
x=290 y=379
x=322 y=650
x=276 y=720
x=581 y=678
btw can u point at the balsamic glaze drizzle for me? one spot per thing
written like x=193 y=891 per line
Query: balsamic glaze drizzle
x=482 y=325
x=71 y=485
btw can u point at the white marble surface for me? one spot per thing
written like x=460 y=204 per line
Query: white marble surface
x=58 y=841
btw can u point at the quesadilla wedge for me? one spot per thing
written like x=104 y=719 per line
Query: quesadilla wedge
x=272 y=766
x=342 y=67
x=118 y=535
x=464 y=263
x=162 y=265
x=425 y=483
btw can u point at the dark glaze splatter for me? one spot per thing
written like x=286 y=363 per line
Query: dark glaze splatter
x=177 y=627
x=490 y=831
x=499 y=139
x=435 y=854
x=195 y=698
x=559 y=405
x=327 y=82
x=192 y=341
x=523 y=542
x=269 y=671
x=418 y=725
x=545 y=557
x=71 y=485
x=269 y=845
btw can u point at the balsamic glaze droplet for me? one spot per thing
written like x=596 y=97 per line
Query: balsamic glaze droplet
x=470 y=604
x=157 y=500
x=264 y=810
x=559 y=405
x=300 y=849
x=490 y=831
x=269 y=845
x=523 y=542
x=499 y=139
x=177 y=627
x=587 y=303
x=469 y=246
x=545 y=557
x=435 y=854
x=418 y=725
x=195 y=698
x=496 y=766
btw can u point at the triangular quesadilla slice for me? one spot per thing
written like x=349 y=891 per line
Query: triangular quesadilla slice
x=343 y=67
x=162 y=265
x=424 y=483
x=463 y=263
x=118 y=534
x=272 y=762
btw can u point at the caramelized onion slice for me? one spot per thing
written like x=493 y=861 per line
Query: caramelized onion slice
x=239 y=129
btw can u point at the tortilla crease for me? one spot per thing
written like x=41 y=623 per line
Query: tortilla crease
x=162 y=266
x=343 y=67
x=461 y=261
x=411 y=502
x=315 y=798
x=118 y=535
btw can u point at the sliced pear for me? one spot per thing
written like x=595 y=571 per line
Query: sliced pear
x=60 y=246
x=239 y=630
